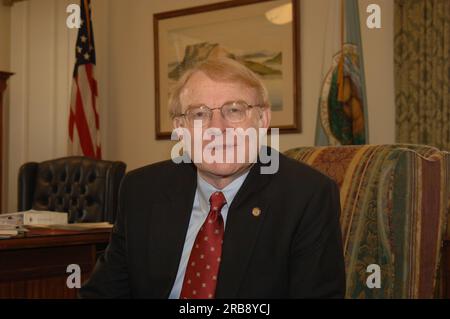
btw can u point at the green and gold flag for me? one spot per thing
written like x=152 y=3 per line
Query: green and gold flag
x=342 y=112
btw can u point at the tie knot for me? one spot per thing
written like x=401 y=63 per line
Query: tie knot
x=217 y=200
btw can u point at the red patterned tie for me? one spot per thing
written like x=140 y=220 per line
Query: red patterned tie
x=201 y=271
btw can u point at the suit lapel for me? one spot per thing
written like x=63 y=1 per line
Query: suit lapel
x=168 y=228
x=241 y=232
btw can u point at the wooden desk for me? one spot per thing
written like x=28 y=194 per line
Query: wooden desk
x=35 y=266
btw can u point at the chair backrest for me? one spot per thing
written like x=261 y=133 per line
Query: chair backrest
x=394 y=207
x=84 y=187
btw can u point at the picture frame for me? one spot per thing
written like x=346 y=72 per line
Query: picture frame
x=262 y=34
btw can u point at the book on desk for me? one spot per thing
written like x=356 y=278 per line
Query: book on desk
x=42 y=222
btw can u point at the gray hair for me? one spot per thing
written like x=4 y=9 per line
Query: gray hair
x=223 y=70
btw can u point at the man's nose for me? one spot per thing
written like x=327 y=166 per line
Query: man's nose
x=217 y=120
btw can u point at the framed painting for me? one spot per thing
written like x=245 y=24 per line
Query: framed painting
x=261 y=34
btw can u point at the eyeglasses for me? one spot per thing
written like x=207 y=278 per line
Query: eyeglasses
x=233 y=112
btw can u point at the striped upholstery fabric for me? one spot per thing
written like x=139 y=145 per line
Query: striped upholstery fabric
x=395 y=201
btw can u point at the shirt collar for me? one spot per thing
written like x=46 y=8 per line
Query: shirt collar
x=205 y=190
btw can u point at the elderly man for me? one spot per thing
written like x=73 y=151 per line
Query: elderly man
x=223 y=229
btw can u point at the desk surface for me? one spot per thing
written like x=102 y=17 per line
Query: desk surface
x=51 y=238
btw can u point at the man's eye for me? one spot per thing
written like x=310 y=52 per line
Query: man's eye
x=199 y=114
x=235 y=108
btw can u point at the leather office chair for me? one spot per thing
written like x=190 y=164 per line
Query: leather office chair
x=84 y=187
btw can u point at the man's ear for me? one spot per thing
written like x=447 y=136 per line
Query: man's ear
x=178 y=124
x=265 y=115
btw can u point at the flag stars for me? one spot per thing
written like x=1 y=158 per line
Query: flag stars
x=208 y=266
x=212 y=249
x=86 y=56
x=83 y=39
x=203 y=285
x=79 y=49
x=197 y=274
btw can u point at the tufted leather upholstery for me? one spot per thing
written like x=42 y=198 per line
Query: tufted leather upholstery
x=84 y=187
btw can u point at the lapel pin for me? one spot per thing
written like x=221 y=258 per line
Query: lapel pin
x=256 y=211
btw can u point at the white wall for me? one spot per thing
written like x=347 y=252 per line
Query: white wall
x=5 y=31
x=5 y=46
x=42 y=57
x=378 y=45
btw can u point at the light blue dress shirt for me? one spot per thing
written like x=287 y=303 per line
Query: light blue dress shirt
x=200 y=211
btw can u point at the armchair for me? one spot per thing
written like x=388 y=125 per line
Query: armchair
x=394 y=207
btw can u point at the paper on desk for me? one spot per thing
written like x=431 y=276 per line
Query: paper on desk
x=12 y=227
x=34 y=217
x=8 y=231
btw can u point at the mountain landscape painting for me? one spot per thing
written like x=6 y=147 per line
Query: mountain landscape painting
x=258 y=34
x=267 y=64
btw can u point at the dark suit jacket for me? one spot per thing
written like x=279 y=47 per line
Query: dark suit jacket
x=291 y=250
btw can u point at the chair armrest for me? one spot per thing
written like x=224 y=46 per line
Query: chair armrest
x=26 y=185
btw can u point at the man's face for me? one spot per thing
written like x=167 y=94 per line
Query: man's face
x=201 y=90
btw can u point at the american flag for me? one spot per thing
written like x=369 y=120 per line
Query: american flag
x=84 y=121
